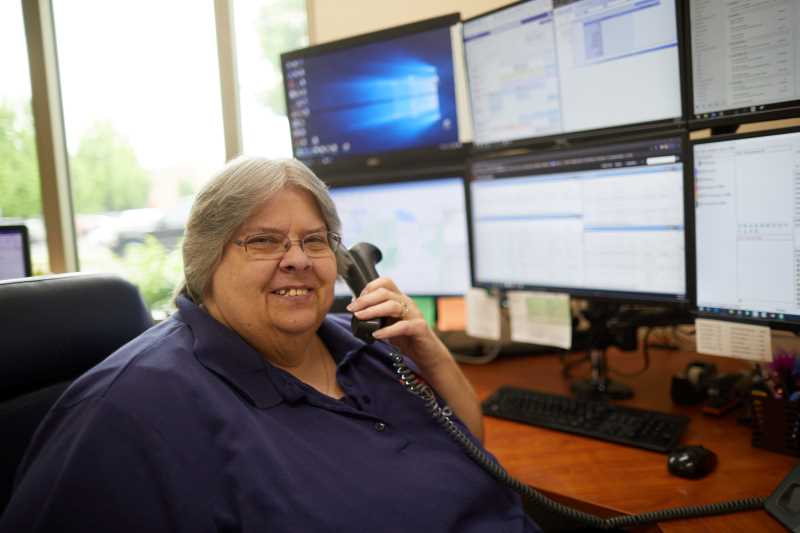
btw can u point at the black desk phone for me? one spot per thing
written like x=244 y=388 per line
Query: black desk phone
x=357 y=268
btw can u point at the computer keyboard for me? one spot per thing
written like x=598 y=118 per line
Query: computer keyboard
x=640 y=428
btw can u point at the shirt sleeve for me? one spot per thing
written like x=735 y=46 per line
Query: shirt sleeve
x=94 y=467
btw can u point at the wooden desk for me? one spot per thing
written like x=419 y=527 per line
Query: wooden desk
x=609 y=479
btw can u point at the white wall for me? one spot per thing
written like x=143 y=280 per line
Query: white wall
x=334 y=19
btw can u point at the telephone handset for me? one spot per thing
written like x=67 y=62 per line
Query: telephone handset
x=358 y=266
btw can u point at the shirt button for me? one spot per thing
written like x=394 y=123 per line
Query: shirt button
x=380 y=426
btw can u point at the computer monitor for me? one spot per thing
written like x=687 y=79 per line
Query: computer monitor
x=542 y=68
x=745 y=61
x=420 y=226
x=604 y=221
x=376 y=99
x=15 y=257
x=746 y=207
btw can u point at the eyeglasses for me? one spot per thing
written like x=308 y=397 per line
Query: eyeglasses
x=274 y=244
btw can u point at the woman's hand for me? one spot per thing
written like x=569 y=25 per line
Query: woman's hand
x=408 y=330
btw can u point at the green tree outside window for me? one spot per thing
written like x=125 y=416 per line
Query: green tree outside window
x=20 y=193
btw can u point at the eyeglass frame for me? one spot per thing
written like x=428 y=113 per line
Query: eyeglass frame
x=333 y=238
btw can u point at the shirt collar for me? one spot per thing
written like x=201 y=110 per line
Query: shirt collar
x=335 y=333
x=223 y=352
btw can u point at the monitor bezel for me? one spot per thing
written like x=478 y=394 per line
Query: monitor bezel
x=22 y=231
x=695 y=309
x=775 y=111
x=590 y=135
x=396 y=176
x=388 y=160
x=623 y=297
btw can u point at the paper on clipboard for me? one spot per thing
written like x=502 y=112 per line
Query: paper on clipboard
x=483 y=314
x=744 y=341
x=540 y=318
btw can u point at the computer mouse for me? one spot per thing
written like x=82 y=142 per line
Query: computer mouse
x=691 y=462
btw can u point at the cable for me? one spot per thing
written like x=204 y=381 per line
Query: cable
x=645 y=356
x=566 y=366
x=442 y=416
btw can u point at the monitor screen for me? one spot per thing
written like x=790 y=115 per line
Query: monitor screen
x=746 y=208
x=547 y=67
x=603 y=221
x=367 y=97
x=745 y=59
x=420 y=227
x=15 y=259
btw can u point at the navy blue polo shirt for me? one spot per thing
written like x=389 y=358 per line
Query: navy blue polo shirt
x=187 y=428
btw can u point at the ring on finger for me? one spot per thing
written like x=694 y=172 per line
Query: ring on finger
x=404 y=312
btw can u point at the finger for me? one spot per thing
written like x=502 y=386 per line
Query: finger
x=386 y=308
x=378 y=283
x=386 y=304
x=376 y=296
x=402 y=328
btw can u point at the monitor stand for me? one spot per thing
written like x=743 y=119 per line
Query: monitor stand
x=599 y=386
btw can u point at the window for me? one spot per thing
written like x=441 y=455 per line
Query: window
x=143 y=120
x=265 y=29
x=20 y=192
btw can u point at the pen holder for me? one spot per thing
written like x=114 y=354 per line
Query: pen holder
x=776 y=424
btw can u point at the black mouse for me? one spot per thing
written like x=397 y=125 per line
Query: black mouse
x=692 y=462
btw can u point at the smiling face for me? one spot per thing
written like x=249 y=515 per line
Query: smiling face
x=269 y=301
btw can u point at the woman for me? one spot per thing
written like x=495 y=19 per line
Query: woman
x=251 y=409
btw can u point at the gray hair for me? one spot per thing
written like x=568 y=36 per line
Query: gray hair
x=228 y=200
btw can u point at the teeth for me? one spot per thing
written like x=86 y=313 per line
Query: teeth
x=291 y=292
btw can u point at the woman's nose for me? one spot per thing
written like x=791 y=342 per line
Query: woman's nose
x=295 y=258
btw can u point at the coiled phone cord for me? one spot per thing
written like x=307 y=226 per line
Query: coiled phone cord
x=442 y=415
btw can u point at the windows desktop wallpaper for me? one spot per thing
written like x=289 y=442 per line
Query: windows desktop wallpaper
x=392 y=95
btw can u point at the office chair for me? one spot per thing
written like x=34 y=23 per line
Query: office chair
x=52 y=329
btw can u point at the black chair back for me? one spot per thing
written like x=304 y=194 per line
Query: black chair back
x=53 y=329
